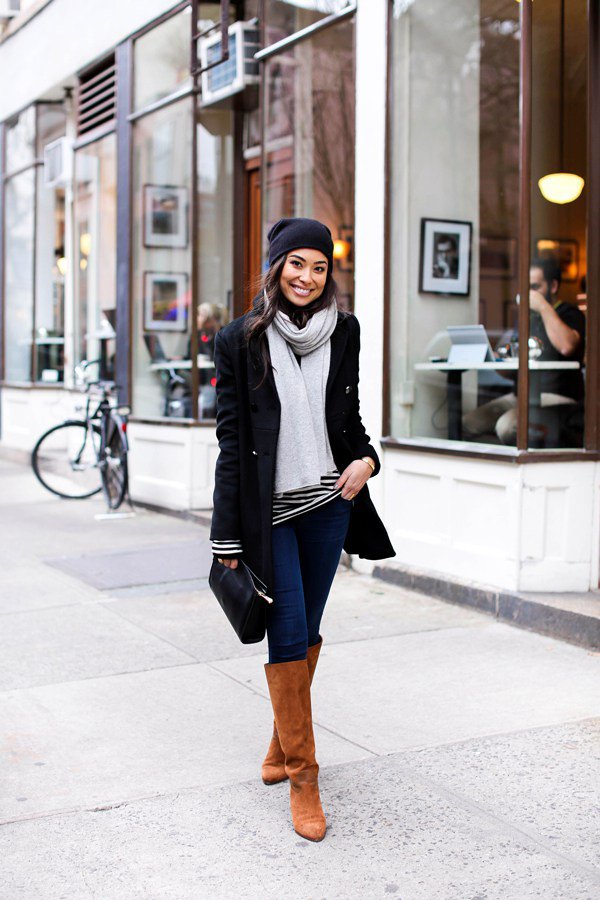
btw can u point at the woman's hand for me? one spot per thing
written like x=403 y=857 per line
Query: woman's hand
x=230 y=563
x=353 y=478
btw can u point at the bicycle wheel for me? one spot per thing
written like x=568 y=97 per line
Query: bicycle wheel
x=113 y=463
x=65 y=460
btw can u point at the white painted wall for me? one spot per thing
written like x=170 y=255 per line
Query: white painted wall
x=28 y=412
x=172 y=466
x=517 y=527
x=66 y=35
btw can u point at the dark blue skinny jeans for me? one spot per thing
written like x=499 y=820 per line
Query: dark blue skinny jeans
x=306 y=552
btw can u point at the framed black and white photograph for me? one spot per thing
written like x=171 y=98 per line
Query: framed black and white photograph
x=165 y=216
x=445 y=257
x=165 y=301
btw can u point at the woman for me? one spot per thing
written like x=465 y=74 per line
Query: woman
x=290 y=480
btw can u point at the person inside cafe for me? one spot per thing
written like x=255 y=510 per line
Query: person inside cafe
x=560 y=327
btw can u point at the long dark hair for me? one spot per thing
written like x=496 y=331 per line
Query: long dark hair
x=263 y=315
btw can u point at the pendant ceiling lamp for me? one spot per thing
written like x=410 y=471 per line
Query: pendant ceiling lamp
x=561 y=186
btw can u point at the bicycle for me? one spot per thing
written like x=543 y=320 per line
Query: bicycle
x=81 y=457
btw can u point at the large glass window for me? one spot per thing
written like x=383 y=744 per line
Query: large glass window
x=454 y=235
x=50 y=271
x=285 y=17
x=161 y=290
x=215 y=244
x=557 y=320
x=161 y=60
x=50 y=256
x=18 y=286
x=95 y=241
x=20 y=140
x=34 y=250
x=309 y=139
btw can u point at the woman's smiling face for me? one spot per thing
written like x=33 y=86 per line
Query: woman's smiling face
x=303 y=276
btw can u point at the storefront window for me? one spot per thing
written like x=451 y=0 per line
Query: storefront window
x=454 y=226
x=215 y=244
x=309 y=140
x=558 y=230
x=18 y=286
x=95 y=232
x=161 y=60
x=161 y=290
x=51 y=124
x=285 y=17
x=20 y=140
x=50 y=271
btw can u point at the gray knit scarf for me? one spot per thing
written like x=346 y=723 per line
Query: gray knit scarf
x=303 y=448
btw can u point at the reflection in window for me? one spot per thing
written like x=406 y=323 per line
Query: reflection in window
x=50 y=270
x=161 y=60
x=95 y=253
x=215 y=244
x=18 y=287
x=309 y=140
x=284 y=17
x=20 y=140
x=559 y=136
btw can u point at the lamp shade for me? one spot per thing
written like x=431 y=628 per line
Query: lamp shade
x=561 y=187
x=341 y=249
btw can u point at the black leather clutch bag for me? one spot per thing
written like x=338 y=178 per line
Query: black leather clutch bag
x=242 y=597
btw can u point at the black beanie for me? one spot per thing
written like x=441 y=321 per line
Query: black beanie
x=292 y=234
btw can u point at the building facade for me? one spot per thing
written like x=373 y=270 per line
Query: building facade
x=138 y=185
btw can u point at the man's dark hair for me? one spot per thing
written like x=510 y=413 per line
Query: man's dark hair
x=550 y=267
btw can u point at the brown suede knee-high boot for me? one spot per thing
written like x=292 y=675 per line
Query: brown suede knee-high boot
x=289 y=688
x=273 y=767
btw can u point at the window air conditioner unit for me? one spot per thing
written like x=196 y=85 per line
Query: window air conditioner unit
x=237 y=72
x=9 y=9
x=58 y=162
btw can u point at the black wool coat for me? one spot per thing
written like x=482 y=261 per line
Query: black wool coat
x=247 y=430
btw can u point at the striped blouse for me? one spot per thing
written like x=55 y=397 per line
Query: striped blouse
x=289 y=504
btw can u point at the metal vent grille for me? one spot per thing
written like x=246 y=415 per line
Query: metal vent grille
x=97 y=96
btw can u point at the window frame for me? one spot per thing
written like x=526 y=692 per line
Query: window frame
x=520 y=453
x=35 y=164
x=126 y=117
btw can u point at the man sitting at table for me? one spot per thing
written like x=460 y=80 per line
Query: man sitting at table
x=560 y=327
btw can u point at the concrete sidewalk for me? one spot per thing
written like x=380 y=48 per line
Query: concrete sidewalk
x=459 y=756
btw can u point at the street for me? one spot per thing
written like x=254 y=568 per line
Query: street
x=460 y=757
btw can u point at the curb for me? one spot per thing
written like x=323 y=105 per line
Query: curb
x=526 y=611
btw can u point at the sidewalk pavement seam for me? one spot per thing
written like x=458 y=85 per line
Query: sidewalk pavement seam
x=83 y=678
x=265 y=696
x=160 y=637
x=494 y=734
x=513 y=830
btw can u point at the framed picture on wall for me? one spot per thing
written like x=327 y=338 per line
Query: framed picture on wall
x=165 y=216
x=165 y=301
x=497 y=257
x=445 y=264
x=565 y=252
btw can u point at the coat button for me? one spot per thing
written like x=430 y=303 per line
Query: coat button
x=254 y=407
x=254 y=453
x=348 y=388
